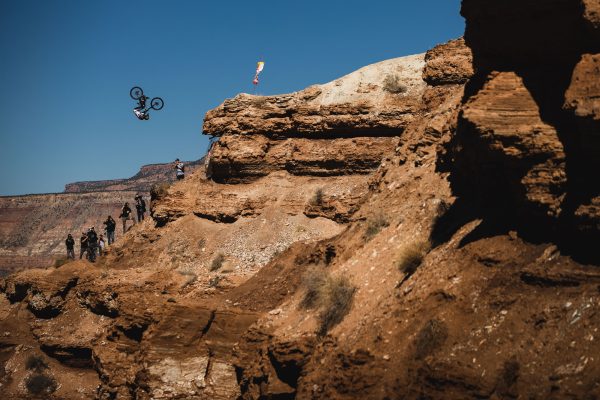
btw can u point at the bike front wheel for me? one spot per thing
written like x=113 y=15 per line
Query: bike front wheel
x=136 y=92
x=157 y=103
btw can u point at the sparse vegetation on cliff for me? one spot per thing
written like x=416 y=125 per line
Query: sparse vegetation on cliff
x=217 y=262
x=374 y=225
x=191 y=277
x=158 y=191
x=317 y=198
x=313 y=281
x=411 y=255
x=332 y=295
x=339 y=293
x=392 y=84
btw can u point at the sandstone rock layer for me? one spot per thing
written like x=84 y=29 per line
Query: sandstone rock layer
x=527 y=139
x=339 y=128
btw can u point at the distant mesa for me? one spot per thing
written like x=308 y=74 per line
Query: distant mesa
x=147 y=176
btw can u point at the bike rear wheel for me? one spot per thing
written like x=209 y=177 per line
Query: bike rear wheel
x=136 y=92
x=157 y=103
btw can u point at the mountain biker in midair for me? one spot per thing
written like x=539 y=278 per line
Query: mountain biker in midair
x=139 y=110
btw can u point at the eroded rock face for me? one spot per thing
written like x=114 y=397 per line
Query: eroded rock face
x=361 y=101
x=282 y=356
x=517 y=152
x=257 y=155
x=339 y=128
x=528 y=135
x=448 y=63
x=582 y=98
x=514 y=32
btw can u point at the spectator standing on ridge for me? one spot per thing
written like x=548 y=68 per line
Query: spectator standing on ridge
x=101 y=245
x=140 y=206
x=92 y=244
x=111 y=225
x=83 y=244
x=180 y=168
x=70 y=242
x=125 y=216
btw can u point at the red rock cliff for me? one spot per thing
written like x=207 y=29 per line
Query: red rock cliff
x=527 y=143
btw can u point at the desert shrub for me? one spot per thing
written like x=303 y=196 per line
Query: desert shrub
x=374 y=225
x=392 y=84
x=158 y=191
x=317 y=198
x=259 y=101
x=214 y=282
x=59 y=262
x=411 y=255
x=331 y=295
x=217 y=262
x=430 y=338
x=314 y=281
x=191 y=277
x=336 y=304
x=35 y=363
x=38 y=384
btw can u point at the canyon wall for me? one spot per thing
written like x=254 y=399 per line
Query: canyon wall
x=527 y=142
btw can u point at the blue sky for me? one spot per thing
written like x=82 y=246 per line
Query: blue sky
x=66 y=67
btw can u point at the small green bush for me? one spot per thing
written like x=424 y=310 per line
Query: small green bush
x=392 y=84
x=411 y=255
x=317 y=198
x=38 y=384
x=374 y=225
x=217 y=262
